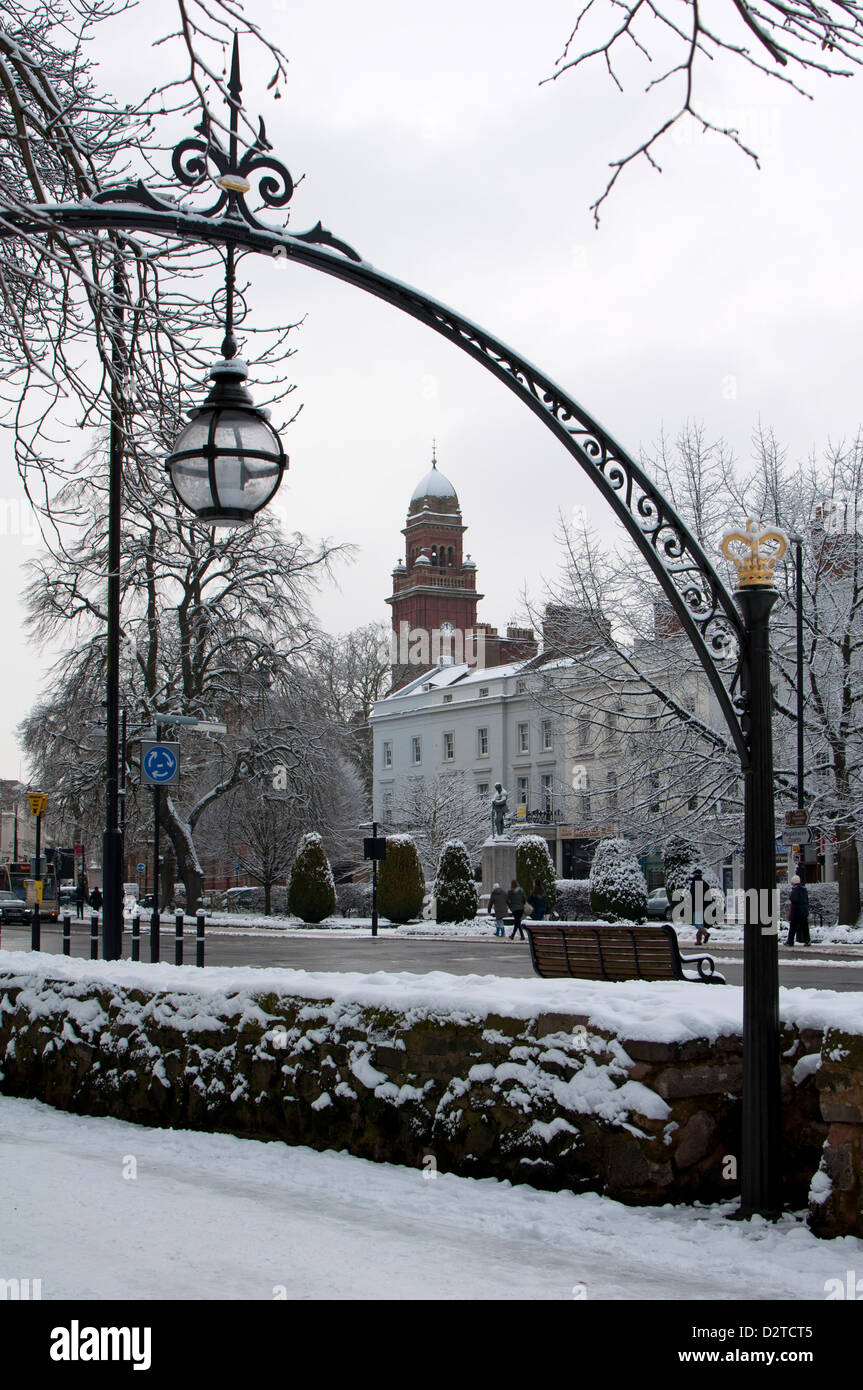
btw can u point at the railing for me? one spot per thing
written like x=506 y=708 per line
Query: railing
x=155 y=938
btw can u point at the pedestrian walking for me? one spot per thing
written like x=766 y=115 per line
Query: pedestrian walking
x=515 y=901
x=696 y=897
x=82 y=894
x=497 y=906
x=798 y=913
x=538 y=901
x=96 y=899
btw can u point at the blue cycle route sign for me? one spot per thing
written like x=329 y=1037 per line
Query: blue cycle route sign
x=160 y=763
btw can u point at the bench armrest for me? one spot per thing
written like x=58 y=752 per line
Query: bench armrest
x=707 y=971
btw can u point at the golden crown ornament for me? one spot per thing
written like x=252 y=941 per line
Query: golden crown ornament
x=754 y=551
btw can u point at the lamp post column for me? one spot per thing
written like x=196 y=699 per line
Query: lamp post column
x=761 y=1160
x=112 y=840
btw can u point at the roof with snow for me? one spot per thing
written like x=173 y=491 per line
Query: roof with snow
x=435 y=489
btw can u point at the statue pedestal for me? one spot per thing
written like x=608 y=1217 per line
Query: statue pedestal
x=498 y=862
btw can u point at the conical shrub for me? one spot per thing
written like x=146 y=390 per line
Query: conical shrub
x=454 y=887
x=401 y=884
x=533 y=861
x=311 y=890
x=618 y=891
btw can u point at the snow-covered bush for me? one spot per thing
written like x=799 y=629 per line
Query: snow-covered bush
x=354 y=898
x=311 y=890
x=573 y=899
x=533 y=861
x=618 y=891
x=454 y=888
x=401 y=886
x=681 y=856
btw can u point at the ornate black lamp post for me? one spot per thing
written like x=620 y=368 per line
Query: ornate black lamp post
x=755 y=553
x=219 y=472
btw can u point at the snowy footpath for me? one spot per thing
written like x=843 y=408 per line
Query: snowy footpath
x=102 y=1209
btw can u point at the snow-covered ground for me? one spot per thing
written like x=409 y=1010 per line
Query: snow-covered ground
x=726 y=935
x=213 y=1216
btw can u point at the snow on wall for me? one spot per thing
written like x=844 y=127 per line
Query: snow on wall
x=507 y=1078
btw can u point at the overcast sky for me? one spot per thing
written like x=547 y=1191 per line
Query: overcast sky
x=711 y=292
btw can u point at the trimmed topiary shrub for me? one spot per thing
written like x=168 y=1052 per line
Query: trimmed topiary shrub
x=311 y=890
x=532 y=861
x=618 y=891
x=454 y=887
x=401 y=886
x=573 y=899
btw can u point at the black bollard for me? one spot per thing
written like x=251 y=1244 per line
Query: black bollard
x=136 y=936
x=67 y=935
x=199 y=939
x=178 y=939
x=94 y=936
x=36 y=930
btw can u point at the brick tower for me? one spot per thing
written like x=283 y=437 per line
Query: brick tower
x=434 y=594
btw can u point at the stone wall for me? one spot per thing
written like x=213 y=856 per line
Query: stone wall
x=553 y=1100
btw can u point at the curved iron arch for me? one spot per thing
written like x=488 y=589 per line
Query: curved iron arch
x=683 y=570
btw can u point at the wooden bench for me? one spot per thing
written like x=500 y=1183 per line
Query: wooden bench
x=602 y=951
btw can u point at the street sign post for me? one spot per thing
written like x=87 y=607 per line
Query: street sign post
x=38 y=802
x=797 y=819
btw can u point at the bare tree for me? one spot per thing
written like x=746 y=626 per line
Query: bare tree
x=632 y=691
x=351 y=672
x=786 y=40
x=442 y=808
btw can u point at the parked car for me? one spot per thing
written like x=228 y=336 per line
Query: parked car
x=13 y=909
x=658 y=906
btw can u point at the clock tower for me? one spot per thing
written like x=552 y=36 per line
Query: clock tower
x=434 y=594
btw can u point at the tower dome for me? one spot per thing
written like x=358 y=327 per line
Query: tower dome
x=434 y=493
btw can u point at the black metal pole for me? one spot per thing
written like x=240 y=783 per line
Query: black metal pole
x=200 y=928
x=67 y=935
x=798 y=548
x=178 y=938
x=374 y=884
x=154 y=916
x=761 y=1152
x=112 y=840
x=36 y=919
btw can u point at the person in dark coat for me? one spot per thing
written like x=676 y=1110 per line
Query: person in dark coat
x=515 y=901
x=82 y=893
x=96 y=899
x=538 y=901
x=497 y=906
x=697 y=887
x=798 y=913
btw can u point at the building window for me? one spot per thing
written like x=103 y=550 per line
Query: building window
x=448 y=747
x=523 y=790
x=548 y=793
x=482 y=790
x=692 y=803
x=416 y=749
x=689 y=704
x=611 y=785
x=388 y=755
x=482 y=742
x=447 y=699
x=654 y=788
x=523 y=738
x=483 y=691
x=547 y=736
x=583 y=731
x=520 y=687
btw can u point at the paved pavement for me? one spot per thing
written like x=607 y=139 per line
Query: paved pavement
x=819 y=967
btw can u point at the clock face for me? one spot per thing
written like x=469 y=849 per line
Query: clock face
x=447 y=627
